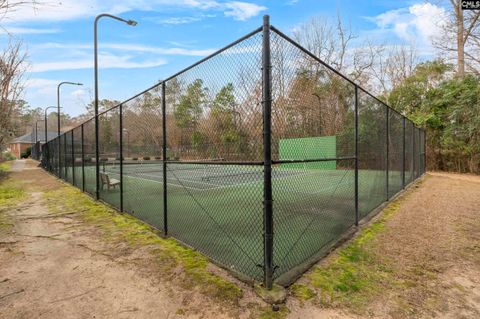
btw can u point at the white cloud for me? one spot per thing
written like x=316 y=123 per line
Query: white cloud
x=157 y=50
x=42 y=92
x=64 y=10
x=21 y=30
x=79 y=94
x=40 y=83
x=419 y=22
x=38 y=88
x=201 y=4
x=180 y=20
x=242 y=10
x=428 y=18
x=106 y=61
x=126 y=47
x=54 y=11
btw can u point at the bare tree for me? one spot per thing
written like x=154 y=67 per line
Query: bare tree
x=389 y=65
x=12 y=61
x=328 y=41
x=461 y=38
x=9 y=6
x=12 y=69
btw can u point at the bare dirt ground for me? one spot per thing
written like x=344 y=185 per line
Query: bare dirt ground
x=54 y=265
x=431 y=246
x=50 y=268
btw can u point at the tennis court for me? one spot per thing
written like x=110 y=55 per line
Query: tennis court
x=217 y=208
x=261 y=169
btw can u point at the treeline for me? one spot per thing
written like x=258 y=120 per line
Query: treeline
x=448 y=107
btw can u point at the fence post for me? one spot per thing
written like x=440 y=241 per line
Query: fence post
x=164 y=160
x=424 y=151
x=403 y=152
x=97 y=159
x=120 y=140
x=356 y=155
x=65 y=156
x=73 y=160
x=83 y=163
x=59 y=155
x=388 y=151
x=267 y=153
x=414 y=175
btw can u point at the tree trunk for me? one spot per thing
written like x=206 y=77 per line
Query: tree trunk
x=460 y=41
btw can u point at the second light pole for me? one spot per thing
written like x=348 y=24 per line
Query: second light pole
x=58 y=102
x=95 y=54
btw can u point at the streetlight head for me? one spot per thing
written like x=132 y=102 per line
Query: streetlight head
x=132 y=23
x=78 y=83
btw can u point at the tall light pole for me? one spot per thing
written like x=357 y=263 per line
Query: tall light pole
x=36 y=131
x=95 y=54
x=58 y=101
x=36 y=148
x=46 y=109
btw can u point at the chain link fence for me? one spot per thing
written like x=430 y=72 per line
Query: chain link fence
x=260 y=156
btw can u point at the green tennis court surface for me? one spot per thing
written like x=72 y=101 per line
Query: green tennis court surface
x=219 y=208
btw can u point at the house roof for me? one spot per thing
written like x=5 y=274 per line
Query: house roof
x=30 y=137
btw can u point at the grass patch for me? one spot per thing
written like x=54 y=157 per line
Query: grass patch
x=268 y=313
x=354 y=274
x=302 y=292
x=168 y=252
x=5 y=167
x=10 y=194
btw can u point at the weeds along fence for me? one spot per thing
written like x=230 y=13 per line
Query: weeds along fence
x=260 y=156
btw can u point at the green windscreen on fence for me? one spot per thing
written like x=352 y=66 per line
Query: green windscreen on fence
x=310 y=148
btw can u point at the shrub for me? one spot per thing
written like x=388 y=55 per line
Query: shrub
x=27 y=153
x=7 y=156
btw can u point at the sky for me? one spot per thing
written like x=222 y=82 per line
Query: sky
x=172 y=34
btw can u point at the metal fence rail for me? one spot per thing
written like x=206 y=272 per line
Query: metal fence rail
x=260 y=156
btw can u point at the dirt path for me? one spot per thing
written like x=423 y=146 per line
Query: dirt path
x=425 y=262
x=52 y=267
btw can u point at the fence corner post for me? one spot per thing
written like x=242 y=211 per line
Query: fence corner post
x=164 y=160
x=121 y=155
x=267 y=153
x=356 y=155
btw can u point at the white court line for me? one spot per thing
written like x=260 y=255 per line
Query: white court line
x=218 y=186
x=183 y=179
x=169 y=183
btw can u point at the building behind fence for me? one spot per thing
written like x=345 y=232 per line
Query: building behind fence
x=260 y=156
